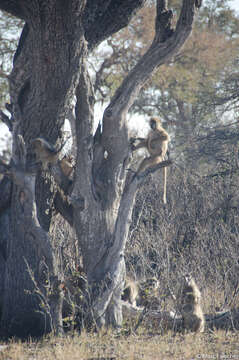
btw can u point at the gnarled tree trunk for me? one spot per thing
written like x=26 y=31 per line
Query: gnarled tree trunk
x=49 y=68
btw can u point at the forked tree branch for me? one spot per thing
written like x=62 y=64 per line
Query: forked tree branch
x=166 y=43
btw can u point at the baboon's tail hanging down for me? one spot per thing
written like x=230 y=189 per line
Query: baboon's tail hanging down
x=165 y=186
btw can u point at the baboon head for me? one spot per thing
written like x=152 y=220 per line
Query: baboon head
x=155 y=122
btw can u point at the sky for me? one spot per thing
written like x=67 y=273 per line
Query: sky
x=235 y=5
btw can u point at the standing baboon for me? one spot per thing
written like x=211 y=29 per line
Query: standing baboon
x=157 y=145
x=190 y=306
x=140 y=293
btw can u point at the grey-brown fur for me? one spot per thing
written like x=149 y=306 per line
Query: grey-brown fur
x=157 y=145
x=45 y=152
x=190 y=306
x=141 y=292
x=131 y=291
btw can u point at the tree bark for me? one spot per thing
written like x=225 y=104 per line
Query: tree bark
x=45 y=73
x=49 y=68
x=110 y=194
x=29 y=259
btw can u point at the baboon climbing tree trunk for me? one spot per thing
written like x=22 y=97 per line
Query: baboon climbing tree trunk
x=49 y=69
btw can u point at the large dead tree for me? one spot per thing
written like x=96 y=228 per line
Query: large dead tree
x=49 y=68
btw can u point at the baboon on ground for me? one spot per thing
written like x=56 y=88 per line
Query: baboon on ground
x=142 y=292
x=190 y=306
x=131 y=291
x=157 y=145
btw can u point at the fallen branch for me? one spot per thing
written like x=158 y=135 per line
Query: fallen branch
x=227 y=320
x=166 y=320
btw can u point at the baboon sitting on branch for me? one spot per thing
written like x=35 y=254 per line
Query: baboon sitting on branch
x=157 y=145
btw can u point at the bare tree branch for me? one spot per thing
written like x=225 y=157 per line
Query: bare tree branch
x=158 y=53
x=108 y=17
x=12 y=7
x=155 y=168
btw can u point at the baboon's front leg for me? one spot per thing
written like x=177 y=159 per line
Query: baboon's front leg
x=142 y=143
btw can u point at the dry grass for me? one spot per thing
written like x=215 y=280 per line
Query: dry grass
x=217 y=345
